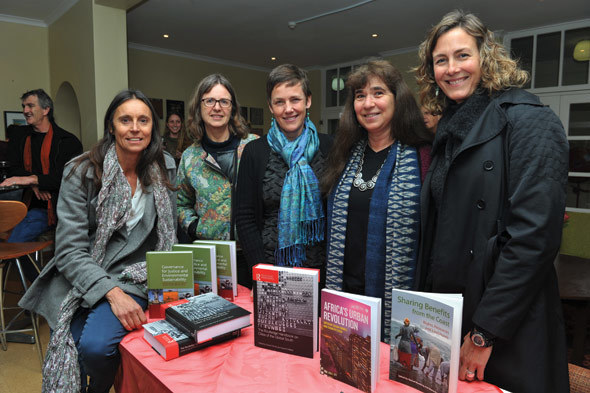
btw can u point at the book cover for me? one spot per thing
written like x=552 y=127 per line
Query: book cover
x=425 y=340
x=227 y=274
x=206 y=316
x=286 y=309
x=351 y=334
x=169 y=278
x=168 y=341
x=204 y=266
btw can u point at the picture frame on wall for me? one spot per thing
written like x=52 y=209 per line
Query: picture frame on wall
x=244 y=112
x=256 y=116
x=174 y=106
x=158 y=105
x=15 y=118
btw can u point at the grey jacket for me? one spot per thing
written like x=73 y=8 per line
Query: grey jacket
x=73 y=264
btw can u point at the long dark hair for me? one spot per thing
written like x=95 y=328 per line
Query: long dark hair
x=196 y=125
x=154 y=152
x=407 y=125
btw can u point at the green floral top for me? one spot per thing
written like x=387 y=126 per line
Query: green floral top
x=205 y=193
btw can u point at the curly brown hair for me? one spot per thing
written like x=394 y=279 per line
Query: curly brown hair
x=498 y=70
x=407 y=124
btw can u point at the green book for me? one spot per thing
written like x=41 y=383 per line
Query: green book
x=227 y=274
x=170 y=278
x=204 y=266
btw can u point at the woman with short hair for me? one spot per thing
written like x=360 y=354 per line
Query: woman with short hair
x=281 y=214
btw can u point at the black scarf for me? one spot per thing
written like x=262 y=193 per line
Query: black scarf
x=456 y=122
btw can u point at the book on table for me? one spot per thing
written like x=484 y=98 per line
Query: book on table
x=350 y=338
x=169 y=278
x=170 y=342
x=286 y=309
x=227 y=274
x=425 y=340
x=204 y=266
x=206 y=316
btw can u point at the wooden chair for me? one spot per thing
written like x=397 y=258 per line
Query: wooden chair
x=11 y=213
x=579 y=379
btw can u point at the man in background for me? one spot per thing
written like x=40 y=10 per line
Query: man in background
x=37 y=154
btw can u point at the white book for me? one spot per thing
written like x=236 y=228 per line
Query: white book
x=425 y=339
x=350 y=339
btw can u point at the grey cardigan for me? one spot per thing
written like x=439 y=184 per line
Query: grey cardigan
x=75 y=233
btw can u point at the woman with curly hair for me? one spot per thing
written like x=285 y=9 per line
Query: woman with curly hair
x=492 y=208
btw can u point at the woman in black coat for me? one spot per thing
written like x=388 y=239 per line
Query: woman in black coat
x=492 y=208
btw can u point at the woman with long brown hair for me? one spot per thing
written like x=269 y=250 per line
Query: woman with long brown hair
x=373 y=178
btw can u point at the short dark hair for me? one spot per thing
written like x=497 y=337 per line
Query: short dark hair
x=44 y=100
x=289 y=74
x=196 y=126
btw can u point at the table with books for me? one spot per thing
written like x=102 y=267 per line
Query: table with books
x=239 y=366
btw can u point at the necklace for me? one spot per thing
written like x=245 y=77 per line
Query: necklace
x=358 y=181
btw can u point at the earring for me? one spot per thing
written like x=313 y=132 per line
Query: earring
x=436 y=91
x=308 y=115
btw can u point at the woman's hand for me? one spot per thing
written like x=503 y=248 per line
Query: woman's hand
x=473 y=359
x=129 y=313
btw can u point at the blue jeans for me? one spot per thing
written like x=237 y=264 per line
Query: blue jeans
x=97 y=333
x=28 y=230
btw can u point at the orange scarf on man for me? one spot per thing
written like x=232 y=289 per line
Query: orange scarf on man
x=45 y=164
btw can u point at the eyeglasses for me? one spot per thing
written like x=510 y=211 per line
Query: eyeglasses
x=210 y=102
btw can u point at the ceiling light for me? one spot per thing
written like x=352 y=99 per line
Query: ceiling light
x=374 y=35
x=582 y=51
x=165 y=35
x=337 y=84
x=273 y=58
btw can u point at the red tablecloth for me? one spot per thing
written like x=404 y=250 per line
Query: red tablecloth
x=238 y=366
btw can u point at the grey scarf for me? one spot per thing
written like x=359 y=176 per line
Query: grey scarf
x=61 y=371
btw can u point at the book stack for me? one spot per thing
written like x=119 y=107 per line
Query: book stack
x=286 y=309
x=195 y=323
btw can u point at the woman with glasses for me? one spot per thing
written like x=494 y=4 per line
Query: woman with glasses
x=280 y=214
x=208 y=168
x=374 y=174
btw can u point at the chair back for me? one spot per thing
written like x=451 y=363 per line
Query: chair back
x=11 y=213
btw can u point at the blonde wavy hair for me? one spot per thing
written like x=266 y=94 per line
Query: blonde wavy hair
x=498 y=70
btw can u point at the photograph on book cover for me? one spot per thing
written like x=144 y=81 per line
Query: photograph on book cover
x=421 y=344
x=285 y=313
x=345 y=351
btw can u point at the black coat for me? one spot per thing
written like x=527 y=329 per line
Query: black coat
x=496 y=236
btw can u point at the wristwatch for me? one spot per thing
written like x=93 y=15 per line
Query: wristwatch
x=481 y=338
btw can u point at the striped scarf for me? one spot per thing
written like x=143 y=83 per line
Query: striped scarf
x=61 y=371
x=392 y=237
x=301 y=215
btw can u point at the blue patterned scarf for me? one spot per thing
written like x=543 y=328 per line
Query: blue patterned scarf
x=301 y=215
x=392 y=235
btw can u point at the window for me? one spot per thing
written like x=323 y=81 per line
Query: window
x=557 y=57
